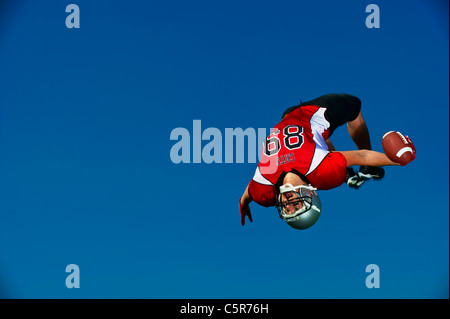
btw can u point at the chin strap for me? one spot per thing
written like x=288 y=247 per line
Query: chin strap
x=290 y=188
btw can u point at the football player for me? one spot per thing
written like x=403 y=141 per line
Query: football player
x=298 y=159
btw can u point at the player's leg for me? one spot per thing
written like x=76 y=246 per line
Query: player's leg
x=340 y=109
x=346 y=109
x=359 y=133
x=337 y=106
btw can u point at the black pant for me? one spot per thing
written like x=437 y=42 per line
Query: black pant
x=340 y=108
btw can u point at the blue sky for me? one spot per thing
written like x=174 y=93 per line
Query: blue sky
x=86 y=176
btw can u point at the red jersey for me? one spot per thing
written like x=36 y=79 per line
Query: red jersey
x=297 y=143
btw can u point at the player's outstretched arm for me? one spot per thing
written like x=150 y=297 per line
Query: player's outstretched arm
x=244 y=209
x=367 y=158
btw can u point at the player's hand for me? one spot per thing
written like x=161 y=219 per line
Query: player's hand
x=245 y=211
x=412 y=147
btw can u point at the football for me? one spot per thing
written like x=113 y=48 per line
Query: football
x=398 y=148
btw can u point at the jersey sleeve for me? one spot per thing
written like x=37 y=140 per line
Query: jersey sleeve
x=261 y=194
x=331 y=172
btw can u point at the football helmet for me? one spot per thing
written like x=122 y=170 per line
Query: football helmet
x=299 y=205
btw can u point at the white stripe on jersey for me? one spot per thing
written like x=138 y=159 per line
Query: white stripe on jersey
x=318 y=125
x=261 y=179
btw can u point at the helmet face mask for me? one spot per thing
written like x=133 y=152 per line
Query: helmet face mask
x=299 y=206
